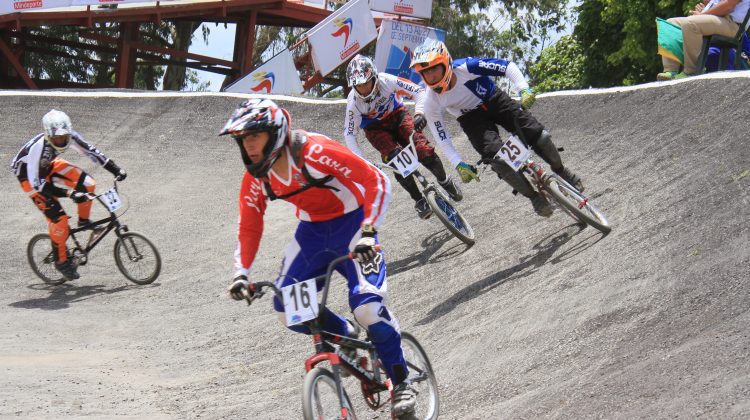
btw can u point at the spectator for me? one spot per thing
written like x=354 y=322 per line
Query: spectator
x=712 y=61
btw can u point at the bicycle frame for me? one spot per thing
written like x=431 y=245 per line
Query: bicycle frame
x=111 y=222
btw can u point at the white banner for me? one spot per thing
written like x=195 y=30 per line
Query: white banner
x=341 y=35
x=89 y=2
x=277 y=75
x=416 y=8
x=395 y=44
x=13 y=6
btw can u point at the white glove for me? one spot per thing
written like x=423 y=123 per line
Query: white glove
x=240 y=288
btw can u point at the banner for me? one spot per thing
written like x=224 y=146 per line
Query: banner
x=341 y=35
x=416 y=8
x=277 y=75
x=14 y=6
x=396 y=41
x=91 y=2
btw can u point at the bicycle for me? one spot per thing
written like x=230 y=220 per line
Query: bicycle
x=517 y=155
x=323 y=395
x=405 y=162
x=136 y=257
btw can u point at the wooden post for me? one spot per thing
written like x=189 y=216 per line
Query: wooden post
x=13 y=60
x=126 y=69
x=247 y=59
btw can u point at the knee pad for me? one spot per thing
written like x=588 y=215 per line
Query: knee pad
x=372 y=313
x=517 y=181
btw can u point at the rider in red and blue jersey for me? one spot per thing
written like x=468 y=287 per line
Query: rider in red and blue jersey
x=340 y=200
x=464 y=88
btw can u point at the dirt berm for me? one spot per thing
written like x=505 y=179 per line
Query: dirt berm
x=540 y=319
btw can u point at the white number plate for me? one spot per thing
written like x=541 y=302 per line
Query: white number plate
x=111 y=199
x=300 y=302
x=405 y=162
x=514 y=152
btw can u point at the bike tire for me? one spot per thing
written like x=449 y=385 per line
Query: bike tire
x=571 y=199
x=137 y=248
x=42 y=259
x=312 y=406
x=422 y=378
x=450 y=216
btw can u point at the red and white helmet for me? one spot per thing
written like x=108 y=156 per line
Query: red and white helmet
x=359 y=71
x=256 y=115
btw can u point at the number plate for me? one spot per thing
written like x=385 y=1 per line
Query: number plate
x=111 y=199
x=514 y=152
x=405 y=162
x=300 y=302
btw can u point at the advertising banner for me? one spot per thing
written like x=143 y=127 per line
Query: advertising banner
x=277 y=75
x=416 y=8
x=395 y=44
x=91 y=2
x=341 y=35
x=13 y=6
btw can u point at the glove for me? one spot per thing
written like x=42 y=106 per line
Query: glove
x=364 y=250
x=420 y=122
x=115 y=170
x=467 y=172
x=527 y=98
x=240 y=288
x=79 y=197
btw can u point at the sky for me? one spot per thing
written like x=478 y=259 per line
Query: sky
x=220 y=45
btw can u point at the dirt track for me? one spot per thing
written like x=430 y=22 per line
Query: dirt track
x=538 y=319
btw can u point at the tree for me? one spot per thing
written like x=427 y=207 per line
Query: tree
x=560 y=67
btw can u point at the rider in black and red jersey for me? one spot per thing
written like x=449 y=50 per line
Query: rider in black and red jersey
x=38 y=167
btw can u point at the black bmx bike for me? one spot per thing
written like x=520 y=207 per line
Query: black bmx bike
x=551 y=186
x=323 y=394
x=136 y=257
x=404 y=161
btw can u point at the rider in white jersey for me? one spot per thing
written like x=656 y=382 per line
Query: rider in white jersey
x=464 y=89
x=375 y=105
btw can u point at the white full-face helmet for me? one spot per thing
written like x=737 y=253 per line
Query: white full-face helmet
x=359 y=71
x=57 y=123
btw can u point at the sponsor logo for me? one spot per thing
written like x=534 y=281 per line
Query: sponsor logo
x=29 y=4
x=296 y=319
x=254 y=195
x=492 y=66
x=350 y=127
x=314 y=155
x=373 y=266
x=265 y=80
x=349 y=51
x=344 y=27
x=481 y=91
x=441 y=133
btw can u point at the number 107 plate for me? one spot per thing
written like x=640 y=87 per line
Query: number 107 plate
x=300 y=302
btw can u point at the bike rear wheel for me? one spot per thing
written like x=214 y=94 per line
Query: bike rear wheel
x=320 y=399
x=576 y=203
x=137 y=258
x=450 y=217
x=422 y=378
x=42 y=259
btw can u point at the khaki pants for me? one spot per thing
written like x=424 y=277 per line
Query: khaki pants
x=694 y=28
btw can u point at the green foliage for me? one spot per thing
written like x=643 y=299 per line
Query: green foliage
x=618 y=38
x=560 y=67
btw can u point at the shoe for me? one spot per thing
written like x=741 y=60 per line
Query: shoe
x=541 y=205
x=404 y=399
x=667 y=75
x=423 y=208
x=67 y=269
x=351 y=352
x=682 y=75
x=571 y=178
x=452 y=189
x=82 y=223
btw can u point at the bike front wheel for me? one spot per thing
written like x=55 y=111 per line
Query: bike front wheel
x=320 y=399
x=576 y=203
x=450 y=217
x=137 y=258
x=422 y=378
x=41 y=257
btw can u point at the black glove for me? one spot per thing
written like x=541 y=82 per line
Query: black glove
x=420 y=122
x=240 y=288
x=79 y=197
x=115 y=170
x=364 y=250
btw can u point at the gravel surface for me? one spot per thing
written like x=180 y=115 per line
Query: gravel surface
x=539 y=319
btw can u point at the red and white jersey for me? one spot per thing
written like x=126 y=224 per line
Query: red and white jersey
x=355 y=183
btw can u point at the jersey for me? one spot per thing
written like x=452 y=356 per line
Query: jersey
x=353 y=183
x=473 y=87
x=34 y=161
x=388 y=99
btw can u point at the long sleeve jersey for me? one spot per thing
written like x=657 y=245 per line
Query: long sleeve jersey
x=389 y=98
x=473 y=87
x=34 y=161
x=354 y=183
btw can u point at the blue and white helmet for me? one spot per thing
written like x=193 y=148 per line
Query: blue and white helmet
x=57 y=123
x=359 y=71
x=256 y=115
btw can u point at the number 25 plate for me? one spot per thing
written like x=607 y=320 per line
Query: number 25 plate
x=111 y=199
x=300 y=302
